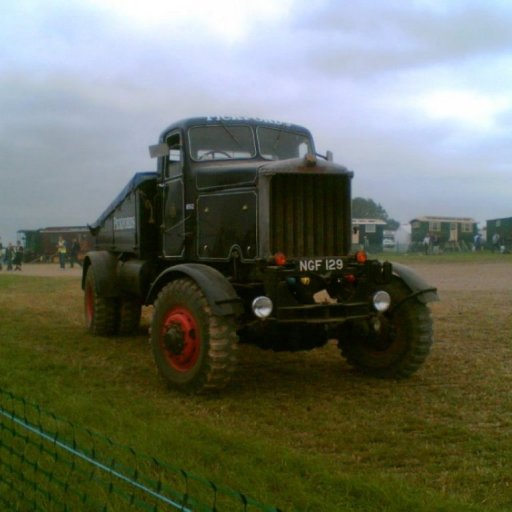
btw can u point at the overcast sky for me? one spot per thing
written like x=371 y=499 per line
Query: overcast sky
x=414 y=96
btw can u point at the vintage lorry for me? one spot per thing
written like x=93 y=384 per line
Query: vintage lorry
x=243 y=235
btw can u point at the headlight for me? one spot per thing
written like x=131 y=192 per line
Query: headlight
x=381 y=301
x=262 y=306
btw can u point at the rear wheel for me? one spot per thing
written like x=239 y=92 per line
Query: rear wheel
x=194 y=349
x=100 y=312
x=394 y=344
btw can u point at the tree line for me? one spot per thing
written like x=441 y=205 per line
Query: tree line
x=368 y=209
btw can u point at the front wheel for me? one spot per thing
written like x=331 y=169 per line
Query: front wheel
x=194 y=349
x=392 y=345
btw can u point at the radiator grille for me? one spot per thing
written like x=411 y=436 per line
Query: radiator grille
x=310 y=214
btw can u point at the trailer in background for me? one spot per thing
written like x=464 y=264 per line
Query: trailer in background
x=41 y=244
x=499 y=234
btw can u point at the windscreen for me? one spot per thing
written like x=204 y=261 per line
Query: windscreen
x=277 y=144
x=221 y=142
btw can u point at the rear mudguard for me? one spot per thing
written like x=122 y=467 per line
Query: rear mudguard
x=104 y=265
x=219 y=292
x=419 y=288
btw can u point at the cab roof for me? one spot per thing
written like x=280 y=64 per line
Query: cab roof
x=189 y=122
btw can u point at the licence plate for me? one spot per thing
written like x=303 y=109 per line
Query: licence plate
x=320 y=264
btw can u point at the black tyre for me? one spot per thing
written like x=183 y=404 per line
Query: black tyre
x=194 y=349
x=100 y=312
x=129 y=312
x=396 y=344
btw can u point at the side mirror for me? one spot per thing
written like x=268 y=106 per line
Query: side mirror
x=329 y=156
x=158 y=150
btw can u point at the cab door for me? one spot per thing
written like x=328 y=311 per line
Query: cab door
x=173 y=215
x=454 y=234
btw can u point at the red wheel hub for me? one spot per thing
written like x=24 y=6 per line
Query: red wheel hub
x=180 y=339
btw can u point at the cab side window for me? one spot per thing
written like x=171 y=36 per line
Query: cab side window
x=174 y=165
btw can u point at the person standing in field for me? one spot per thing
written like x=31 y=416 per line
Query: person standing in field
x=9 y=255
x=496 y=242
x=62 y=250
x=477 y=242
x=18 y=257
x=427 y=241
x=73 y=253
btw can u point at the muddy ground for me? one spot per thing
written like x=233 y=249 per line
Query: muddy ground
x=45 y=269
x=445 y=276
x=467 y=276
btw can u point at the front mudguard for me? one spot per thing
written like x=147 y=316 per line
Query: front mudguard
x=419 y=288
x=219 y=292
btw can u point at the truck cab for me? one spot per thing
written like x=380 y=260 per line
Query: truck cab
x=212 y=170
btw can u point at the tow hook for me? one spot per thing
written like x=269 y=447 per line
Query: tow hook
x=376 y=323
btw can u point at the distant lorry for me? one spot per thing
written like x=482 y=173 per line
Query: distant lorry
x=243 y=235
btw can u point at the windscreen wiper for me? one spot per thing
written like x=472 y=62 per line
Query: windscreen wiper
x=230 y=133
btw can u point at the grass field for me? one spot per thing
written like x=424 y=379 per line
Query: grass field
x=299 y=431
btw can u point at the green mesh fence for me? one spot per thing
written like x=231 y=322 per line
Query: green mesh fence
x=49 y=464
